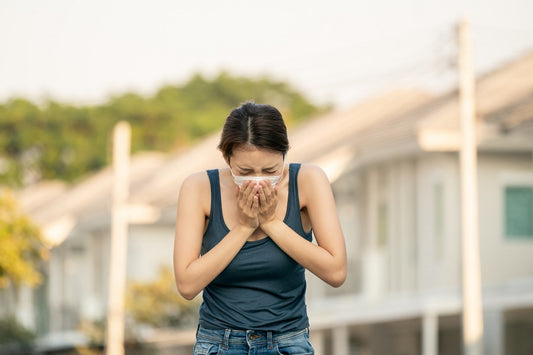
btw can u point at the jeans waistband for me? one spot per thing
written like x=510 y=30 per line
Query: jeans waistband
x=234 y=336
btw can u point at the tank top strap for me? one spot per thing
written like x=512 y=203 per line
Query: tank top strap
x=293 y=205
x=294 y=168
x=293 y=217
x=215 y=213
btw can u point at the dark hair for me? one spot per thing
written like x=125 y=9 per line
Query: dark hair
x=259 y=125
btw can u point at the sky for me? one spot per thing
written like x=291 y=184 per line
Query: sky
x=335 y=51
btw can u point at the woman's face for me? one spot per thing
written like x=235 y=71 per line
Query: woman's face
x=248 y=160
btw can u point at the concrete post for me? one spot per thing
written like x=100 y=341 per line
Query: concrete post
x=430 y=334
x=341 y=340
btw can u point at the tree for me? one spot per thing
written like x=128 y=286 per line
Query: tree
x=14 y=337
x=158 y=303
x=22 y=246
x=61 y=141
x=22 y=250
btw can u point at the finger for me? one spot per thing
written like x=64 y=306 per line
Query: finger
x=243 y=187
x=255 y=204
x=270 y=191
x=243 y=200
x=245 y=190
x=252 y=196
x=248 y=187
x=262 y=195
x=242 y=191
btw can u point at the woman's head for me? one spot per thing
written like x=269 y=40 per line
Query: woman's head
x=251 y=124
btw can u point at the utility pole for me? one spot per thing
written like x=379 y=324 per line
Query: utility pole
x=122 y=214
x=119 y=233
x=472 y=316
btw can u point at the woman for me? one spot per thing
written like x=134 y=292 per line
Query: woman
x=244 y=238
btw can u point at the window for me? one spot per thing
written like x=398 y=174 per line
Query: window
x=518 y=211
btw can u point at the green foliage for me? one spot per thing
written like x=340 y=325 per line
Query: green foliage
x=158 y=303
x=21 y=244
x=94 y=330
x=14 y=335
x=60 y=141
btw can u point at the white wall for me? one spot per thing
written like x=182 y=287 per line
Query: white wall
x=94 y=305
x=401 y=248
x=149 y=248
x=439 y=253
x=69 y=279
x=502 y=259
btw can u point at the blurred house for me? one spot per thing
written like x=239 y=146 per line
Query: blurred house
x=394 y=166
x=399 y=201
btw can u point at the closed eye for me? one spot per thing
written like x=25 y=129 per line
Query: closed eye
x=268 y=170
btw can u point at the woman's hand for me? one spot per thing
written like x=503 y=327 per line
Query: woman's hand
x=268 y=201
x=248 y=204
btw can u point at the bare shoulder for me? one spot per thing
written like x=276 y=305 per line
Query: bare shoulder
x=312 y=174
x=312 y=182
x=196 y=181
x=195 y=191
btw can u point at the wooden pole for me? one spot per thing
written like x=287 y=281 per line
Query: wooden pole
x=472 y=316
x=119 y=233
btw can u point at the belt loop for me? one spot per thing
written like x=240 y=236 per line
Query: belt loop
x=269 y=340
x=227 y=333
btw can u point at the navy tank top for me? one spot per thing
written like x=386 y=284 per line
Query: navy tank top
x=262 y=288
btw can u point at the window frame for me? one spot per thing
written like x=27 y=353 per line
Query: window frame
x=521 y=179
x=505 y=199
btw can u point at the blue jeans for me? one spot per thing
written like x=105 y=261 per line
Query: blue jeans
x=252 y=342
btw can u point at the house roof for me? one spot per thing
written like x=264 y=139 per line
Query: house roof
x=504 y=102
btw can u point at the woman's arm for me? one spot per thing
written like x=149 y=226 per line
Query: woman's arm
x=192 y=272
x=327 y=258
